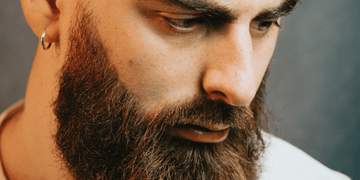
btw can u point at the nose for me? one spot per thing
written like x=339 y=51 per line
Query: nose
x=230 y=75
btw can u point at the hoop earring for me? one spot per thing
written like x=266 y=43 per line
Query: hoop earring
x=42 y=42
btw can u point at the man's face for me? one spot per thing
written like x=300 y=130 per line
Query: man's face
x=164 y=53
x=155 y=81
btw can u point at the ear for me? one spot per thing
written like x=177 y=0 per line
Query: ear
x=42 y=15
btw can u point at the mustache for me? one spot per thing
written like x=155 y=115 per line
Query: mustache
x=202 y=110
x=198 y=110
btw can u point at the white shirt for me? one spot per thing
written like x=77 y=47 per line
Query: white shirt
x=280 y=161
x=283 y=161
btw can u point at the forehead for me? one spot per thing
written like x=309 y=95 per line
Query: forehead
x=236 y=6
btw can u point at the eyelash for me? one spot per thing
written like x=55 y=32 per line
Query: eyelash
x=258 y=32
x=182 y=26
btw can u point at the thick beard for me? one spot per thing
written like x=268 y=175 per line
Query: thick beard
x=104 y=133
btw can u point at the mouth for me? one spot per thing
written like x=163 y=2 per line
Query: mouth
x=203 y=134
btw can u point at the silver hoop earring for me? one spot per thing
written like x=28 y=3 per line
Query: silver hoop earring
x=43 y=43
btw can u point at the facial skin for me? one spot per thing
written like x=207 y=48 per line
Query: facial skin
x=104 y=132
x=107 y=99
x=162 y=74
x=161 y=65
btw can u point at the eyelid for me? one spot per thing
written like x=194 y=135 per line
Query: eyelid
x=277 y=24
x=171 y=18
x=276 y=21
x=180 y=15
x=261 y=33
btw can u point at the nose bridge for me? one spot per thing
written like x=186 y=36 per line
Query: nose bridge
x=230 y=69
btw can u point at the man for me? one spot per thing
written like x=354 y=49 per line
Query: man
x=150 y=89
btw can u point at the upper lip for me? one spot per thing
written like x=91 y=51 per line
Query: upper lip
x=213 y=127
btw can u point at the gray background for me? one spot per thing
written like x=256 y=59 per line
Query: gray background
x=313 y=88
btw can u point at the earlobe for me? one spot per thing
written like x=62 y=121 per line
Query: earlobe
x=52 y=32
x=42 y=15
x=50 y=35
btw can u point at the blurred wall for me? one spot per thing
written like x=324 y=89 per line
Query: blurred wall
x=313 y=88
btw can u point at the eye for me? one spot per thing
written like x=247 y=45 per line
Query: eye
x=260 y=28
x=263 y=26
x=185 y=25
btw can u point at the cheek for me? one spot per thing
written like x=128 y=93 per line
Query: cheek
x=263 y=52
x=154 y=76
x=146 y=64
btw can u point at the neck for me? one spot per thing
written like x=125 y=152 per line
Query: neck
x=27 y=145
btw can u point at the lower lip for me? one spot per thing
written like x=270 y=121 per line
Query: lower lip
x=196 y=135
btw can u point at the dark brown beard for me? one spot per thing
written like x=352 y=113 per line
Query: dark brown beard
x=104 y=133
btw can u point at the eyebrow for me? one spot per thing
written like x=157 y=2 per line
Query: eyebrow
x=283 y=9
x=216 y=12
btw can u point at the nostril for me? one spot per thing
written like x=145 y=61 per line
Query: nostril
x=218 y=93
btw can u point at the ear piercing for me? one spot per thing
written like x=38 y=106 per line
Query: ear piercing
x=42 y=42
